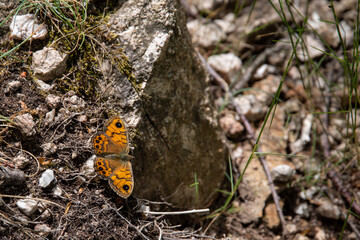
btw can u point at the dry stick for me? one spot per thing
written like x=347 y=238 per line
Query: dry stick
x=266 y=169
x=260 y=59
x=32 y=198
x=206 y=210
x=243 y=80
x=223 y=84
x=128 y=222
x=160 y=231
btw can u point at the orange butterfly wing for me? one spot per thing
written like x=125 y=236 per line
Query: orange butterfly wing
x=118 y=172
x=111 y=148
x=114 y=139
x=121 y=180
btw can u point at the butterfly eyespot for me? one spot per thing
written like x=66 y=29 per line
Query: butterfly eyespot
x=97 y=141
x=103 y=172
x=126 y=187
x=99 y=138
x=118 y=125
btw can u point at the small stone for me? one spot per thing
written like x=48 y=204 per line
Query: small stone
x=26 y=26
x=26 y=123
x=263 y=71
x=237 y=153
x=265 y=89
x=305 y=136
x=309 y=194
x=82 y=118
x=329 y=210
x=45 y=215
x=291 y=228
x=74 y=155
x=27 y=206
x=49 y=148
x=250 y=107
x=41 y=109
x=227 y=65
x=21 y=162
x=53 y=101
x=227 y=23
x=205 y=34
x=88 y=168
x=43 y=230
x=282 y=173
x=320 y=234
x=44 y=86
x=74 y=102
x=271 y=216
x=300 y=237
x=48 y=64
x=12 y=86
x=314 y=46
x=292 y=106
x=47 y=179
x=57 y=192
x=232 y=128
x=49 y=117
x=302 y=210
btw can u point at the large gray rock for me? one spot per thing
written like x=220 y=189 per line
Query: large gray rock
x=173 y=127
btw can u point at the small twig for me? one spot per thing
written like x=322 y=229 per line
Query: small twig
x=160 y=231
x=206 y=210
x=128 y=222
x=223 y=84
x=36 y=199
x=32 y=155
x=344 y=193
x=243 y=80
x=212 y=221
x=266 y=169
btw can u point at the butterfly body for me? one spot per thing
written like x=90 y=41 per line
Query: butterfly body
x=112 y=159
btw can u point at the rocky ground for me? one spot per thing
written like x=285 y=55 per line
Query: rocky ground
x=285 y=89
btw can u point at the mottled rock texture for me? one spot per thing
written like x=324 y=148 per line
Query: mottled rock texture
x=172 y=123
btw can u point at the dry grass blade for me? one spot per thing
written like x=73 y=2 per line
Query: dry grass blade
x=206 y=210
x=36 y=199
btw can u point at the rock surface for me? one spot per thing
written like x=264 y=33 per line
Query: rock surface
x=179 y=132
x=26 y=26
x=48 y=64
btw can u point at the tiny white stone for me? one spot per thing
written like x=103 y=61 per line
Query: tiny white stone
x=27 y=206
x=57 y=191
x=282 y=173
x=49 y=117
x=47 y=179
x=302 y=210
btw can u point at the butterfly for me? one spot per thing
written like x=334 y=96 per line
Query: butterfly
x=112 y=156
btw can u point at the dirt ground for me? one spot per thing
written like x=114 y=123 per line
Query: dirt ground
x=88 y=209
